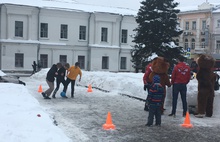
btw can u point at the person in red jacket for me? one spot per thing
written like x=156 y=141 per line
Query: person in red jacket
x=147 y=83
x=146 y=79
x=180 y=78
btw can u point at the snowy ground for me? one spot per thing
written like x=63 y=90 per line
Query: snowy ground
x=81 y=119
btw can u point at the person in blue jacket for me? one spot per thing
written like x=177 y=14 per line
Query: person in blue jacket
x=155 y=100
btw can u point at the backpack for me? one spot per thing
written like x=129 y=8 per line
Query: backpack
x=216 y=86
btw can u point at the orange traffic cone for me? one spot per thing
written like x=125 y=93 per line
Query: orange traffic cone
x=108 y=125
x=186 y=123
x=89 y=88
x=40 y=89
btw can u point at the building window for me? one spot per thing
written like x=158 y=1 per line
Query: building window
x=186 y=44
x=218 y=44
x=194 y=25
x=105 y=62
x=177 y=42
x=203 y=43
x=44 y=30
x=193 y=43
x=187 y=26
x=218 y=23
x=63 y=31
x=44 y=60
x=81 y=60
x=203 y=24
x=104 y=34
x=124 y=34
x=19 y=60
x=63 y=59
x=123 y=63
x=18 y=28
x=82 y=32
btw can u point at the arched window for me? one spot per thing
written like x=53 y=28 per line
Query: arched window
x=193 y=43
x=202 y=43
x=186 y=44
x=177 y=42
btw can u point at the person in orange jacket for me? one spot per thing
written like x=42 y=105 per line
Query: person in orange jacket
x=72 y=74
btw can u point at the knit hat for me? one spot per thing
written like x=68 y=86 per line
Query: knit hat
x=156 y=79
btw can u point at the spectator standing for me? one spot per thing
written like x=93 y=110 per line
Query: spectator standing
x=72 y=74
x=34 y=66
x=60 y=78
x=194 y=67
x=147 y=83
x=51 y=74
x=180 y=78
x=155 y=99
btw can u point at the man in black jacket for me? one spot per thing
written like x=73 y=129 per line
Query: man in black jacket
x=60 y=78
x=51 y=74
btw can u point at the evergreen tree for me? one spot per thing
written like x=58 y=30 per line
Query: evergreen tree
x=157 y=26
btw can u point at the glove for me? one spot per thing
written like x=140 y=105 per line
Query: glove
x=145 y=87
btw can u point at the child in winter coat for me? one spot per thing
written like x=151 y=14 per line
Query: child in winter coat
x=155 y=99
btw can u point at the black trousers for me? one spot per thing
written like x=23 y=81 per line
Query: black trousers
x=72 y=86
x=58 y=81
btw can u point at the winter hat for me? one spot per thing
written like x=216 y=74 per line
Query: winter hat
x=156 y=79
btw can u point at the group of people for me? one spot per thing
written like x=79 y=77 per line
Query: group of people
x=64 y=74
x=156 y=86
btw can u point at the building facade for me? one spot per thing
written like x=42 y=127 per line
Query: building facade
x=200 y=34
x=97 y=40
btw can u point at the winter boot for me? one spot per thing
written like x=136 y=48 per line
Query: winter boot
x=54 y=93
x=72 y=95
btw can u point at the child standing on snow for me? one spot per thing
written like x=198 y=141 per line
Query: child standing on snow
x=155 y=99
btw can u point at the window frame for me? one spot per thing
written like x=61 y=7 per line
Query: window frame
x=218 y=44
x=63 y=59
x=44 y=60
x=193 y=25
x=105 y=62
x=104 y=34
x=204 y=24
x=64 y=31
x=123 y=63
x=186 y=44
x=82 y=32
x=187 y=25
x=44 y=30
x=202 y=43
x=81 y=60
x=124 y=36
x=19 y=27
x=193 y=43
x=19 y=60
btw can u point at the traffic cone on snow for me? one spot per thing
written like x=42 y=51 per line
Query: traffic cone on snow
x=89 y=88
x=40 y=89
x=108 y=125
x=187 y=123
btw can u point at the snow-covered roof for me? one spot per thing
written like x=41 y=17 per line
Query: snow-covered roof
x=122 y=7
x=71 y=5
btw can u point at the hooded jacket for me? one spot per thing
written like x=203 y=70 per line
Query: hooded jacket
x=51 y=73
x=156 y=93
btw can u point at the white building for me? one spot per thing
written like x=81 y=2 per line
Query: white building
x=51 y=32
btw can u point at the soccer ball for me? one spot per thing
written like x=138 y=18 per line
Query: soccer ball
x=63 y=94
